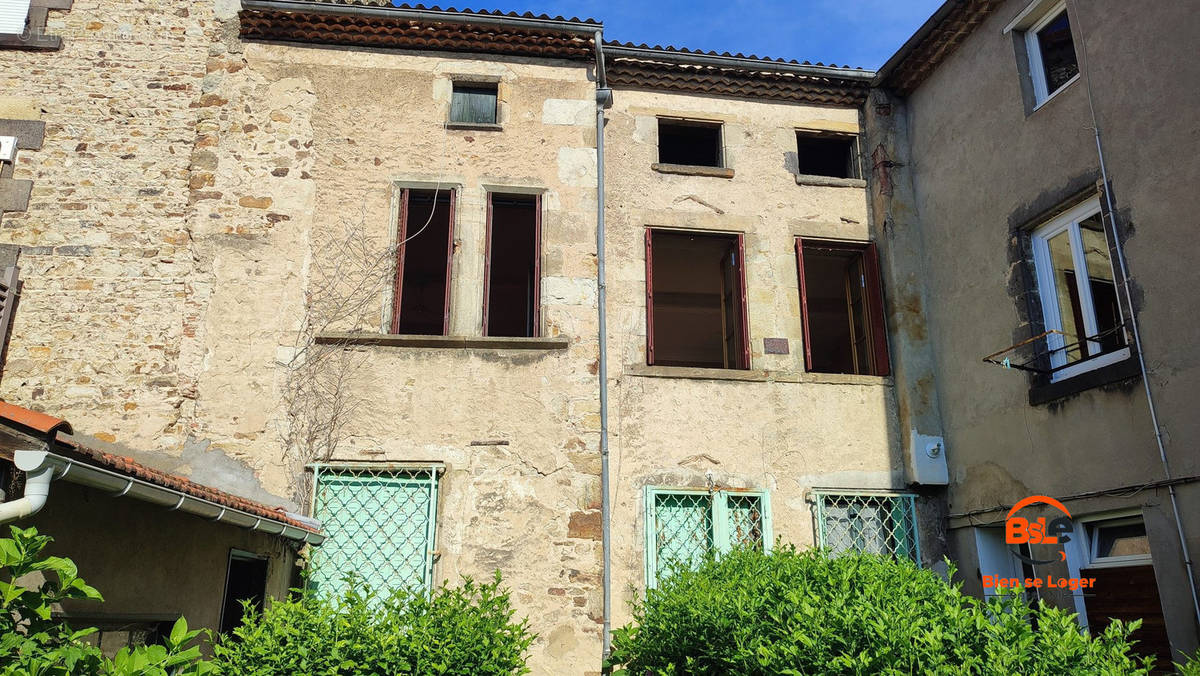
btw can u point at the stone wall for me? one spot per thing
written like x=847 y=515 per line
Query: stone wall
x=184 y=200
x=105 y=248
x=774 y=427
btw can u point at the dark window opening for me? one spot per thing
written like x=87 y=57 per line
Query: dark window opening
x=1058 y=52
x=687 y=142
x=696 y=300
x=842 y=306
x=473 y=103
x=245 y=581
x=512 y=301
x=114 y=632
x=422 y=287
x=833 y=156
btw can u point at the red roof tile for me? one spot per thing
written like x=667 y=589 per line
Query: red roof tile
x=736 y=82
x=464 y=11
x=739 y=55
x=18 y=418
x=401 y=33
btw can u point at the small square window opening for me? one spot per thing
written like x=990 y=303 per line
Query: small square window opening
x=842 y=306
x=835 y=156
x=473 y=103
x=690 y=143
x=696 y=300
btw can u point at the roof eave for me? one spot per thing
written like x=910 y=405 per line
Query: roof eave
x=444 y=16
x=741 y=63
x=931 y=24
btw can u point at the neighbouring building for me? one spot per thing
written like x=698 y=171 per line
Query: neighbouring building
x=158 y=546
x=342 y=257
x=993 y=197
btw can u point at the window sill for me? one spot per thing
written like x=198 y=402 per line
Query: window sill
x=1126 y=369
x=752 y=375
x=692 y=170
x=475 y=126
x=461 y=342
x=830 y=181
x=41 y=42
x=1066 y=85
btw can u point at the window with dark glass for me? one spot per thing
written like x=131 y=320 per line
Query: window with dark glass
x=842 y=306
x=1051 y=52
x=696 y=300
x=826 y=155
x=421 y=297
x=1058 y=52
x=473 y=103
x=690 y=142
x=512 y=299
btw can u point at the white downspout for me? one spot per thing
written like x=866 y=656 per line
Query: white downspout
x=37 y=489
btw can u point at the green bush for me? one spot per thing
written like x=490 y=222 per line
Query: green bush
x=464 y=630
x=33 y=643
x=807 y=613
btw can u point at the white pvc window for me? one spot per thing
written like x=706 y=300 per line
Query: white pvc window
x=1051 y=49
x=13 y=14
x=1080 y=304
x=1118 y=542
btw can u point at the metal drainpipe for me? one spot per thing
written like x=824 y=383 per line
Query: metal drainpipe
x=603 y=100
x=1133 y=323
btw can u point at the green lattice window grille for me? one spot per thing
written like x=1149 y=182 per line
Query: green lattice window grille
x=380 y=523
x=684 y=525
x=873 y=522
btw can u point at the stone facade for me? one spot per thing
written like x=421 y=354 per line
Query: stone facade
x=185 y=199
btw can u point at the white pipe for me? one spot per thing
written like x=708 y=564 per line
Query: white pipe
x=37 y=491
x=42 y=467
x=1133 y=323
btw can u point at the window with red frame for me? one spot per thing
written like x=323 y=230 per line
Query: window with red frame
x=512 y=279
x=696 y=300
x=842 y=306
x=421 y=296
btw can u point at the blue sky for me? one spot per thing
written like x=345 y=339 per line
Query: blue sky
x=861 y=33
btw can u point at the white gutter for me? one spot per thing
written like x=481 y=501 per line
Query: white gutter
x=42 y=467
